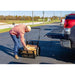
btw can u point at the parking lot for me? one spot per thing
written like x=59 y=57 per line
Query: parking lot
x=51 y=51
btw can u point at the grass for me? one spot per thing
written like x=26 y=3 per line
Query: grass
x=52 y=21
x=14 y=21
x=4 y=30
x=18 y=21
x=45 y=23
x=7 y=29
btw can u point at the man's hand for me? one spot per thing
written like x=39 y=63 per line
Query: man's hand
x=25 y=48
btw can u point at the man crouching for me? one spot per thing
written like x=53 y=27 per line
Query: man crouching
x=16 y=33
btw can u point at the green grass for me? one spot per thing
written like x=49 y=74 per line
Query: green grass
x=4 y=30
x=45 y=23
x=7 y=29
x=14 y=21
x=20 y=21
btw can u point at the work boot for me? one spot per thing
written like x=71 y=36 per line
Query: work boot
x=16 y=57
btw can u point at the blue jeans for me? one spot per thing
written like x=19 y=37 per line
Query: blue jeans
x=16 y=44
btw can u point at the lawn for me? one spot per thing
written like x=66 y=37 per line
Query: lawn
x=7 y=29
x=4 y=30
x=14 y=21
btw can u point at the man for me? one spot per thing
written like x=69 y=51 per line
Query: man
x=16 y=33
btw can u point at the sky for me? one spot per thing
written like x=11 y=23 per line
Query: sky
x=36 y=13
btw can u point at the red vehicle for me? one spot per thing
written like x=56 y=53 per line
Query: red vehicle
x=69 y=32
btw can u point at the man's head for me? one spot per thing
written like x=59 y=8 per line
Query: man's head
x=27 y=29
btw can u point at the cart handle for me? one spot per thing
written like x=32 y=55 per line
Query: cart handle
x=35 y=28
x=39 y=33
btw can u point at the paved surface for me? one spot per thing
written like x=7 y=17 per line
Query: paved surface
x=51 y=50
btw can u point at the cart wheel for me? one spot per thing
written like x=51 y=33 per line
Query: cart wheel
x=26 y=42
x=19 y=51
x=38 y=51
x=34 y=55
x=23 y=55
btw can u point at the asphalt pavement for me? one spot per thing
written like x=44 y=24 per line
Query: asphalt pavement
x=51 y=51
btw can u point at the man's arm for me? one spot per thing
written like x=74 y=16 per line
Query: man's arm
x=22 y=40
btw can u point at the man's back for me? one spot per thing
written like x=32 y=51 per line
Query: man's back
x=17 y=30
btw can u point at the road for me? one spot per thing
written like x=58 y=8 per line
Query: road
x=51 y=50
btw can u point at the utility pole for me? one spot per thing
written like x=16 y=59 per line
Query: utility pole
x=32 y=17
x=54 y=15
x=60 y=15
x=43 y=16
